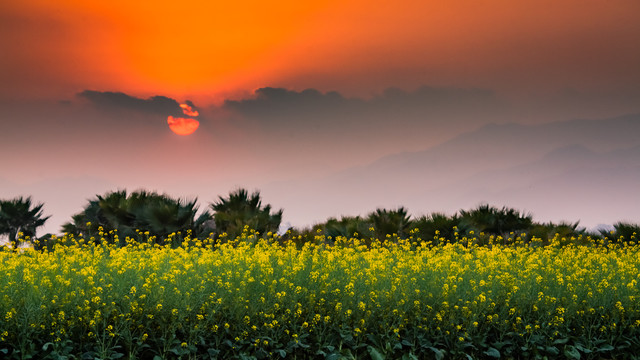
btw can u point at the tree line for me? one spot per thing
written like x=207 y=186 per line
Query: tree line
x=150 y=216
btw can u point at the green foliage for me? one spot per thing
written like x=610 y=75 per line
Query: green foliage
x=623 y=231
x=118 y=215
x=491 y=220
x=563 y=230
x=239 y=210
x=20 y=216
x=137 y=214
x=436 y=226
x=390 y=222
x=347 y=227
x=300 y=237
x=380 y=224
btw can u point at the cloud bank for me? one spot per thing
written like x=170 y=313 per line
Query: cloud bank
x=278 y=103
x=118 y=101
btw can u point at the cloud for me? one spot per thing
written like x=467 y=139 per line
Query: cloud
x=341 y=130
x=394 y=113
x=272 y=102
x=118 y=101
x=189 y=110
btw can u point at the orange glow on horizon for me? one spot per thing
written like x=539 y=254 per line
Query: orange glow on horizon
x=183 y=126
x=198 y=48
x=227 y=44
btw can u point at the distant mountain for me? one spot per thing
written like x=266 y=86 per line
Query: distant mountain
x=570 y=183
x=578 y=169
x=494 y=146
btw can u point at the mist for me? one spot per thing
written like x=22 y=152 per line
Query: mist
x=317 y=154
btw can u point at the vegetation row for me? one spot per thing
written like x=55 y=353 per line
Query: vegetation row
x=147 y=215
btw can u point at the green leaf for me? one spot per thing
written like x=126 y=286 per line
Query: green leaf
x=439 y=353
x=213 y=353
x=493 y=352
x=571 y=352
x=90 y=355
x=583 y=349
x=409 y=356
x=561 y=341
x=375 y=354
x=157 y=357
x=552 y=350
x=605 y=348
x=346 y=354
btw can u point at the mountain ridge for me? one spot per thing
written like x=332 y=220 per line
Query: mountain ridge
x=509 y=163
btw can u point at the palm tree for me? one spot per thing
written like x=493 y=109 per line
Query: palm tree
x=491 y=220
x=19 y=215
x=389 y=222
x=564 y=229
x=623 y=231
x=436 y=226
x=166 y=216
x=348 y=227
x=159 y=215
x=239 y=209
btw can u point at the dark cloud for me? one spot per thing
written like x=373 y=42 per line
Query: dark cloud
x=118 y=101
x=193 y=106
x=339 y=129
x=427 y=113
x=271 y=102
x=277 y=102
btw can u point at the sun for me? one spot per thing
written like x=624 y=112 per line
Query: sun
x=184 y=126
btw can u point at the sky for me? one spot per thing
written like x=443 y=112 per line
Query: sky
x=289 y=91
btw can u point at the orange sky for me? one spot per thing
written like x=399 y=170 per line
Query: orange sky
x=206 y=50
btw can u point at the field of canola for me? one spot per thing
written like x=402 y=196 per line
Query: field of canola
x=261 y=299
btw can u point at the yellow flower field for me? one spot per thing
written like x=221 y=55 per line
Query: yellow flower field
x=259 y=298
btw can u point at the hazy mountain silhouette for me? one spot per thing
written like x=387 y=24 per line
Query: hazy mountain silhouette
x=563 y=170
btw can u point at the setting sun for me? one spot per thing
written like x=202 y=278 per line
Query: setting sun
x=182 y=126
